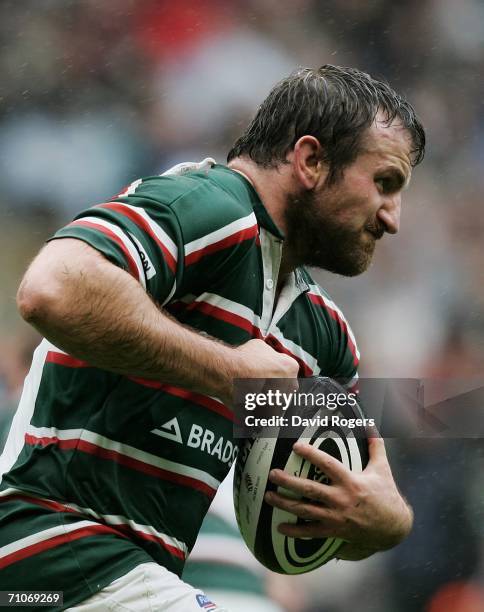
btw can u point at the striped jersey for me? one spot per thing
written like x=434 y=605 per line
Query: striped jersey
x=102 y=472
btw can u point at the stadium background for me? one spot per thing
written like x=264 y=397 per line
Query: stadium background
x=94 y=94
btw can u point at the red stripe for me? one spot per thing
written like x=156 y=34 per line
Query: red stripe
x=196 y=398
x=58 y=507
x=278 y=346
x=124 y=190
x=144 y=225
x=146 y=382
x=317 y=299
x=240 y=236
x=176 y=552
x=45 y=503
x=134 y=464
x=55 y=541
x=201 y=400
x=130 y=261
x=65 y=360
x=227 y=316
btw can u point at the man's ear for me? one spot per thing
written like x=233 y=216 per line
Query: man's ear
x=308 y=167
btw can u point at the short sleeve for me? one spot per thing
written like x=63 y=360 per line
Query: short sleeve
x=139 y=235
x=175 y=234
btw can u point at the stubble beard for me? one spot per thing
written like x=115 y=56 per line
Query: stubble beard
x=315 y=237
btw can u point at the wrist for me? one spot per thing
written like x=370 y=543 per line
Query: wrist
x=406 y=523
x=354 y=552
x=401 y=527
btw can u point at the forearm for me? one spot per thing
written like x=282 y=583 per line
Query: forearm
x=103 y=316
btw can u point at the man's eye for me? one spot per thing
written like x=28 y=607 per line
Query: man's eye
x=387 y=185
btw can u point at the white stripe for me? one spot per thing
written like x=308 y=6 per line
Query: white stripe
x=126 y=450
x=352 y=382
x=16 y=437
x=297 y=350
x=42 y=536
x=110 y=519
x=220 y=234
x=254 y=319
x=171 y=294
x=125 y=240
x=25 y=410
x=315 y=290
x=114 y=519
x=131 y=188
x=162 y=236
x=118 y=519
x=159 y=232
x=235 y=308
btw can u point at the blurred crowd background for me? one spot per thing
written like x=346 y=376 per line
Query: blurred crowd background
x=96 y=93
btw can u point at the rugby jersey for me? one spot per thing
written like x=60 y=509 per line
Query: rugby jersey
x=102 y=472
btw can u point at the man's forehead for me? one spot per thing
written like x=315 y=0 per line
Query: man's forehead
x=392 y=142
x=384 y=135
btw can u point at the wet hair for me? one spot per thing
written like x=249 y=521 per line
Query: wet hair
x=336 y=105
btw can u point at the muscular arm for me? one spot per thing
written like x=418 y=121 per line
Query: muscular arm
x=97 y=312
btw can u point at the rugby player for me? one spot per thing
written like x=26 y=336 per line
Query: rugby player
x=153 y=302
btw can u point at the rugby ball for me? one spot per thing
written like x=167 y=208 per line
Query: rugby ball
x=259 y=454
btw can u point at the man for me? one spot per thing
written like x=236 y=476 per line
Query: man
x=154 y=302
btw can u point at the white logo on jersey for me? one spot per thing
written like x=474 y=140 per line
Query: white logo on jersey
x=204 y=439
x=148 y=267
x=170 y=430
x=200 y=438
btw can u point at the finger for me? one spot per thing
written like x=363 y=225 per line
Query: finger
x=333 y=468
x=372 y=431
x=377 y=453
x=300 y=508
x=314 y=529
x=303 y=486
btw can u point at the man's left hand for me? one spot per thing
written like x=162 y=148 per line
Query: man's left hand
x=365 y=508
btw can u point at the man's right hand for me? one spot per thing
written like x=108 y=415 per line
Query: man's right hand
x=259 y=360
x=256 y=359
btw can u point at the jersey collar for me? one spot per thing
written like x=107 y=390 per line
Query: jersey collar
x=241 y=186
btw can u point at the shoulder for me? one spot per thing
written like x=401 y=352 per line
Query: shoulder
x=202 y=201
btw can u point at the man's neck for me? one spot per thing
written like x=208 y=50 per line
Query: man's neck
x=271 y=185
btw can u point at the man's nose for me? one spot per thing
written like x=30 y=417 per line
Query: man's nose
x=389 y=214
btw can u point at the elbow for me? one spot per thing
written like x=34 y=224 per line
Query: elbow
x=34 y=302
x=50 y=287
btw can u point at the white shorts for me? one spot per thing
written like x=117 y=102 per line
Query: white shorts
x=149 y=587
